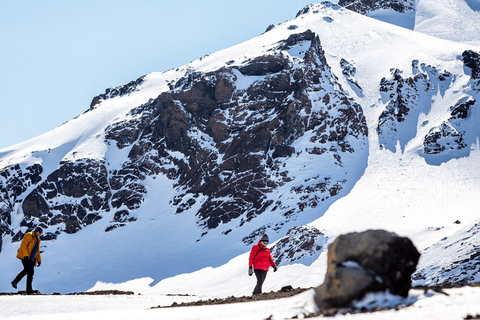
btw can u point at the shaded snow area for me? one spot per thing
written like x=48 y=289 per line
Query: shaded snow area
x=385 y=136
x=450 y=304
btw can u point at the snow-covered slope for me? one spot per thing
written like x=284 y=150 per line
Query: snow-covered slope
x=454 y=20
x=133 y=178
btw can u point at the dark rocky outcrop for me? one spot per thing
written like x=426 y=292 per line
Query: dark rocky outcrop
x=449 y=136
x=243 y=128
x=117 y=92
x=15 y=180
x=370 y=261
x=406 y=98
x=366 y=6
x=264 y=65
x=300 y=242
x=444 y=137
x=471 y=60
x=224 y=144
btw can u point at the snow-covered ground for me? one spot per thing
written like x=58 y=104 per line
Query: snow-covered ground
x=454 y=304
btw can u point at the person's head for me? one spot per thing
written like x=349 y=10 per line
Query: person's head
x=38 y=231
x=264 y=239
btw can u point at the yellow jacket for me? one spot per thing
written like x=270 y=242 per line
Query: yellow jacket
x=28 y=243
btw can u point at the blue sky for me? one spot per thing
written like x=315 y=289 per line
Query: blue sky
x=55 y=56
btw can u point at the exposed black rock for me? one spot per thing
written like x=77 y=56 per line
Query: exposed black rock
x=406 y=98
x=471 y=60
x=349 y=71
x=14 y=182
x=264 y=65
x=296 y=39
x=444 y=137
x=449 y=135
x=366 y=6
x=117 y=92
x=461 y=109
x=300 y=242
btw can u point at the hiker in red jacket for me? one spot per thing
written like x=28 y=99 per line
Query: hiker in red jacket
x=259 y=262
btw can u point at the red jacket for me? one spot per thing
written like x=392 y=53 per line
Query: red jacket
x=260 y=257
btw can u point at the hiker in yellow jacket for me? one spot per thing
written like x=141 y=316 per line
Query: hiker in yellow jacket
x=29 y=253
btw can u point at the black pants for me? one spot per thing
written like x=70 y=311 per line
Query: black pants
x=28 y=271
x=261 y=275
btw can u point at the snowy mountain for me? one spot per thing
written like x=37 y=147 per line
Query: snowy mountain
x=329 y=123
x=454 y=20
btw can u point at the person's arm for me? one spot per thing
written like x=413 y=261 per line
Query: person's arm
x=272 y=263
x=23 y=251
x=39 y=257
x=252 y=255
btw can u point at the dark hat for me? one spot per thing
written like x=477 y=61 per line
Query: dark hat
x=38 y=229
x=264 y=238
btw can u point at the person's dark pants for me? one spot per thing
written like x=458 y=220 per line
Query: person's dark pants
x=261 y=275
x=28 y=267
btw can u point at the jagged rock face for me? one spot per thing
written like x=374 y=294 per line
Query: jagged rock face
x=232 y=139
x=15 y=181
x=366 y=6
x=405 y=99
x=471 y=60
x=451 y=135
x=117 y=92
x=301 y=242
x=349 y=71
x=225 y=137
x=444 y=137
x=71 y=197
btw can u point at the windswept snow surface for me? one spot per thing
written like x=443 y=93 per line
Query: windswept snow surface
x=455 y=20
x=399 y=191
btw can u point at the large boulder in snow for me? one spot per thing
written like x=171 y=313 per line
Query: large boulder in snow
x=370 y=261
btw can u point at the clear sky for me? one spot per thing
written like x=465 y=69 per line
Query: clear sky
x=56 y=55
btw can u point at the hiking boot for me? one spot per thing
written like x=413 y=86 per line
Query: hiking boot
x=14 y=284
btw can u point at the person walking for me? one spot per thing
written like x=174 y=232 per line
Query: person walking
x=29 y=254
x=260 y=261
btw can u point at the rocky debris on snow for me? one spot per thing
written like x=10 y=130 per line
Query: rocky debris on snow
x=463 y=265
x=300 y=243
x=315 y=8
x=117 y=92
x=102 y=293
x=441 y=138
x=349 y=71
x=471 y=60
x=449 y=136
x=367 y=6
x=469 y=316
x=406 y=98
x=262 y=296
x=370 y=261
x=89 y=293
